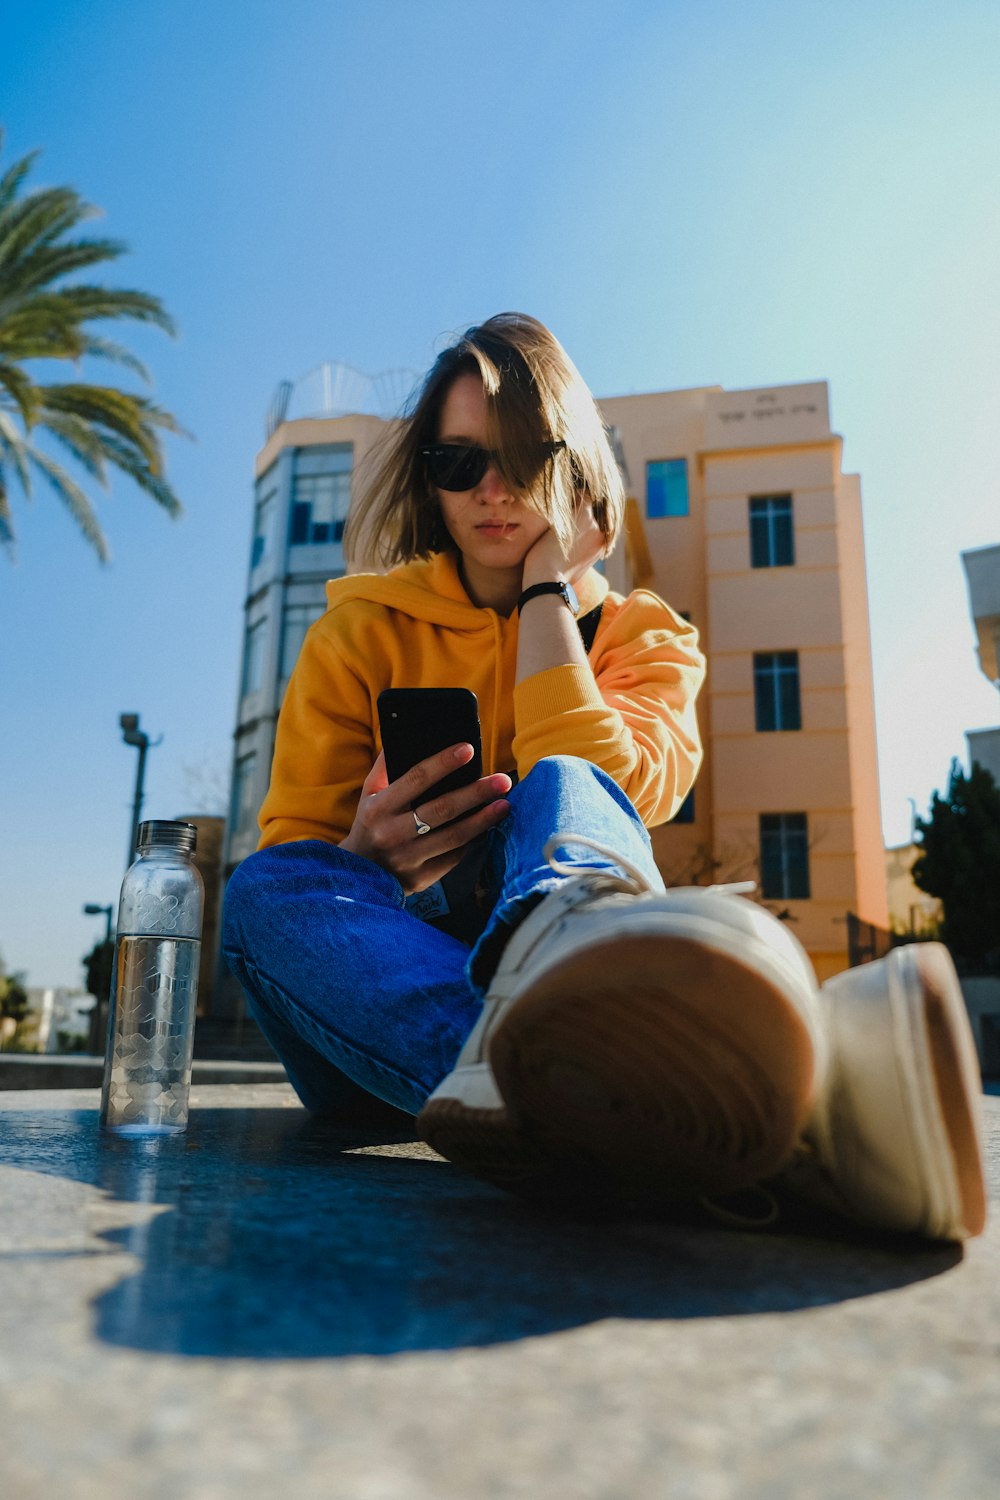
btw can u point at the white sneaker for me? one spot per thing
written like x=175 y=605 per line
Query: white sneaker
x=894 y=1141
x=666 y=1043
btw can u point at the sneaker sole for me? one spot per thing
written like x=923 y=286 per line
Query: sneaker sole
x=698 y=1081
x=485 y=1143
x=948 y=1137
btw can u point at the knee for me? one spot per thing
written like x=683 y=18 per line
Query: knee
x=562 y=773
x=245 y=891
x=554 y=770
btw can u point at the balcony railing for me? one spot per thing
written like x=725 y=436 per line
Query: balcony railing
x=336 y=389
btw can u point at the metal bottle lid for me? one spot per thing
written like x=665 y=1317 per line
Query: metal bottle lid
x=161 y=833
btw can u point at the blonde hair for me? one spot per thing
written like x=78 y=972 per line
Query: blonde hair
x=534 y=396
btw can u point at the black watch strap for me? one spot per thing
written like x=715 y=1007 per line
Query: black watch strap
x=565 y=591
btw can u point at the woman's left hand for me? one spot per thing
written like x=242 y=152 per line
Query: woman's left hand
x=547 y=559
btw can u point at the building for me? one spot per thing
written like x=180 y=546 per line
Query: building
x=982 y=575
x=742 y=518
x=754 y=532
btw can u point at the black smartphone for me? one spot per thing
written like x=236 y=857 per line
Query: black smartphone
x=418 y=722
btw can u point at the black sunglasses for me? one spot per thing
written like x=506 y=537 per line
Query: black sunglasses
x=459 y=466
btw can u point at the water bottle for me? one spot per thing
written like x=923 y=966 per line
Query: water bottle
x=154 y=985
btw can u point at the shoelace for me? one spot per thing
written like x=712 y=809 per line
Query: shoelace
x=632 y=872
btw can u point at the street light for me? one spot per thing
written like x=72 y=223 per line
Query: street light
x=99 y=978
x=91 y=910
x=133 y=735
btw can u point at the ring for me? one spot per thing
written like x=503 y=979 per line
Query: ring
x=422 y=827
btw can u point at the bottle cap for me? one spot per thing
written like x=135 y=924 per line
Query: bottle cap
x=161 y=833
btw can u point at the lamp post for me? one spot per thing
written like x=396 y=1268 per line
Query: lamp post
x=91 y=910
x=133 y=735
x=99 y=978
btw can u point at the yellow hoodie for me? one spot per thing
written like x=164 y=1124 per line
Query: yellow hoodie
x=416 y=627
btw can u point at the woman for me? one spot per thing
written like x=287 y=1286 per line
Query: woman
x=503 y=960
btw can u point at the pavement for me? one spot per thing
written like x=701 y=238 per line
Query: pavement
x=268 y=1306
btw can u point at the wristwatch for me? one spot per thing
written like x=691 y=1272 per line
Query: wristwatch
x=566 y=592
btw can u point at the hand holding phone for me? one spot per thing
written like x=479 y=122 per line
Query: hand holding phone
x=417 y=819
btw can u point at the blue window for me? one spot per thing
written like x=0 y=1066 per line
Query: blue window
x=263 y=515
x=243 y=809
x=776 y=690
x=685 y=813
x=667 y=488
x=321 y=494
x=253 y=657
x=772 y=537
x=784 y=857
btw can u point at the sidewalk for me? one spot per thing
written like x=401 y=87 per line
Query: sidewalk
x=269 y=1307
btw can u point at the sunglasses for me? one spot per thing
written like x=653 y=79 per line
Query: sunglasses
x=458 y=466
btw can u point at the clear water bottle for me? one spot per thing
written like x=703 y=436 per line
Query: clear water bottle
x=154 y=985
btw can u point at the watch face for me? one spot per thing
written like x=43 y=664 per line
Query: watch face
x=571 y=599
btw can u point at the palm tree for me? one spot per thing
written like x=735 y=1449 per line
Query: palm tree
x=44 y=318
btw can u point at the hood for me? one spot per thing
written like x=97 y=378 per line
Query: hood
x=432 y=590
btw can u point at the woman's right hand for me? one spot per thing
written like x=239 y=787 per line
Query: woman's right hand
x=385 y=828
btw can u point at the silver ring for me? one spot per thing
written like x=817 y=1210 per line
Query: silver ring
x=422 y=827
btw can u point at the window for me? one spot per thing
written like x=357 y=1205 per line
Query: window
x=685 y=813
x=244 y=810
x=667 y=488
x=321 y=495
x=784 y=857
x=294 y=624
x=776 y=690
x=253 y=657
x=772 y=539
x=263 y=517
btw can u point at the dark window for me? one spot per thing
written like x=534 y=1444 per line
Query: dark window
x=320 y=503
x=784 y=857
x=685 y=813
x=776 y=690
x=667 y=488
x=772 y=538
x=263 y=515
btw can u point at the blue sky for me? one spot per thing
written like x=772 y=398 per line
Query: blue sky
x=687 y=194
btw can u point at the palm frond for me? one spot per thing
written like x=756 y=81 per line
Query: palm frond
x=131 y=463
x=38 y=218
x=106 y=302
x=6 y=519
x=41 y=264
x=83 y=441
x=11 y=180
x=20 y=388
x=107 y=349
x=98 y=425
x=74 y=499
x=42 y=326
x=14 y=447
x=104 y=406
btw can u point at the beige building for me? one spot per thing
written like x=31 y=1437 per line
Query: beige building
x=742 y=518
x=754 y=531
x=982 y=575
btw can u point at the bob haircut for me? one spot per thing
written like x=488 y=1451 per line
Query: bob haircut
x=534 y=395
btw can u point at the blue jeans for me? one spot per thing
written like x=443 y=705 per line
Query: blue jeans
x=354 y=991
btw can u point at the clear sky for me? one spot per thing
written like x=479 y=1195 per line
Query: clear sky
x=687 y=194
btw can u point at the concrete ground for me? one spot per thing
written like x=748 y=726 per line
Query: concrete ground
x=268 y=1307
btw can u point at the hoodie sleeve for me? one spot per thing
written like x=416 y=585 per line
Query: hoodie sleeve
x=324 y=748
x=631 y=712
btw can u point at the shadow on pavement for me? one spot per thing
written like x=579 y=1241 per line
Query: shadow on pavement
x=281 y=1236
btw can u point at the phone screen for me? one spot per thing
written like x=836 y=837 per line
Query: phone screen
x=418 y=722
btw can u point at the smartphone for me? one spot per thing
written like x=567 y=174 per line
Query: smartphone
x=418 y=722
